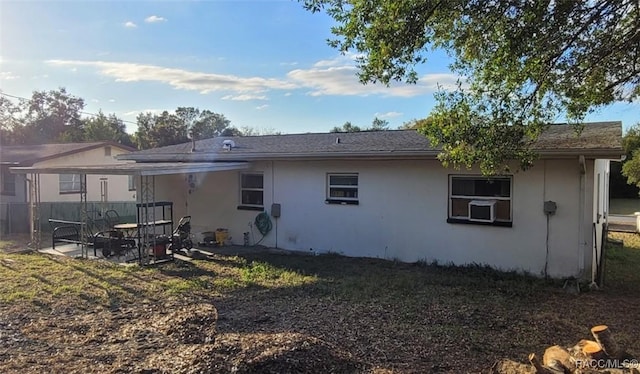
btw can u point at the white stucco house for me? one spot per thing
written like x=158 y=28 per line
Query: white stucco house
x=385 y=195
x=64 y=187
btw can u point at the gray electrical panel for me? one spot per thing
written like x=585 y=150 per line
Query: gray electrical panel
x=550 y=207
x=275 y=210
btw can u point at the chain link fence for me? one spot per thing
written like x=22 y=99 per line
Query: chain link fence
x=14 y=217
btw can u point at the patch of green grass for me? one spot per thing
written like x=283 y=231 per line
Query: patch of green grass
x=178 y=286
x=622 y=269
x=14 y=242
x=397 y=281
x=226 y=284
x=268 y=275
x=624 y=206
x=44 y=280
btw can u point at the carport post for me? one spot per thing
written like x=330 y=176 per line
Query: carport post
x=84 y=235
x=34 y=211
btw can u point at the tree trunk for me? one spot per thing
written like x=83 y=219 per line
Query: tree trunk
x=587 y=349
x=558 y=358
x=603 y=336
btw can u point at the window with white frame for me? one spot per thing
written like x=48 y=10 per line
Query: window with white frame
x=251 y=191
x=478 y=199
x=132 y=183
x=69 y=183
x=342 y=188
x=8 y=184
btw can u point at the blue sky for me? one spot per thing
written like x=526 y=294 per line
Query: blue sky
x=263 y=64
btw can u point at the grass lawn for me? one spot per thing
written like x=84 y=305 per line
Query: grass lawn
x=624 y=206
x=270 y=313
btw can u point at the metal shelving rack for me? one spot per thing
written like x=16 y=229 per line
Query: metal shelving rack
x=153 y=220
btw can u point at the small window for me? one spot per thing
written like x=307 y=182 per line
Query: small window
x=107 y=151
x=132 y=183
x=69 y=183
x=8 y=184
x=482 y=200
x=251 y=191
x=342 y=188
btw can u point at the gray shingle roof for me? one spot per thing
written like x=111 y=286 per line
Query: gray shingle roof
x=26 y=155
x=596 y=138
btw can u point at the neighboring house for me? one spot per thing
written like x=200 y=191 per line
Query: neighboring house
x=64 y=187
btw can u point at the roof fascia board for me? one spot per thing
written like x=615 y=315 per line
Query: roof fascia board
x=131 y=169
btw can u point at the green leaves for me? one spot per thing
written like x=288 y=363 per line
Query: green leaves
x=631 y=146
x=158 y=130
x=103 y=127
x=525 y=64
x=376 y=125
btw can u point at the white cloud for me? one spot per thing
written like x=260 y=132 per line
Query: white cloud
x=262 y=107
x=7 y=76
x=95 y=100
x=244 y=97
x=336 y=77
x=134 y=113
x=112 y=100
x=388 y=115
x=154 y=19
x=325 y=78
x=130 y=25
x=180 y=79
x=293 y=63
x=347 y=59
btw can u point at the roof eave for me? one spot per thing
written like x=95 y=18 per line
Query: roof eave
x=604 y=153
x=35 y=160
x=196 y=157
x=157 y=157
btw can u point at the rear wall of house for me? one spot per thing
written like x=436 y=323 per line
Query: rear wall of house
x=402 y=213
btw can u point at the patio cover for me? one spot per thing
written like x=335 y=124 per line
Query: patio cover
x=146 y=172
x=134 y=168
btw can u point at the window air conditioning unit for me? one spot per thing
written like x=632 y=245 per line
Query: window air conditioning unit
x=482 y=210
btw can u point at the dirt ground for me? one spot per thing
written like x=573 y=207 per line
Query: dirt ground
x=253 y=338
x=350 y=316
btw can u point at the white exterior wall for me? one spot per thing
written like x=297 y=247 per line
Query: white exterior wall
x=118 y=187
x=402 y=213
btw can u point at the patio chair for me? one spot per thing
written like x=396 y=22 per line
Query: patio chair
x=112 y=217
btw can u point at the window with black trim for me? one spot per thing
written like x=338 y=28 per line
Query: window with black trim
x=8 y=184
x=69 y=183
x=251 y=191
x=482 y=200
x=342 y=188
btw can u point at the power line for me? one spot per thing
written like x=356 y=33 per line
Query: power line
x=85 y=113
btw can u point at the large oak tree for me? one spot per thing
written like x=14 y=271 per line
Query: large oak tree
x=524 y=64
